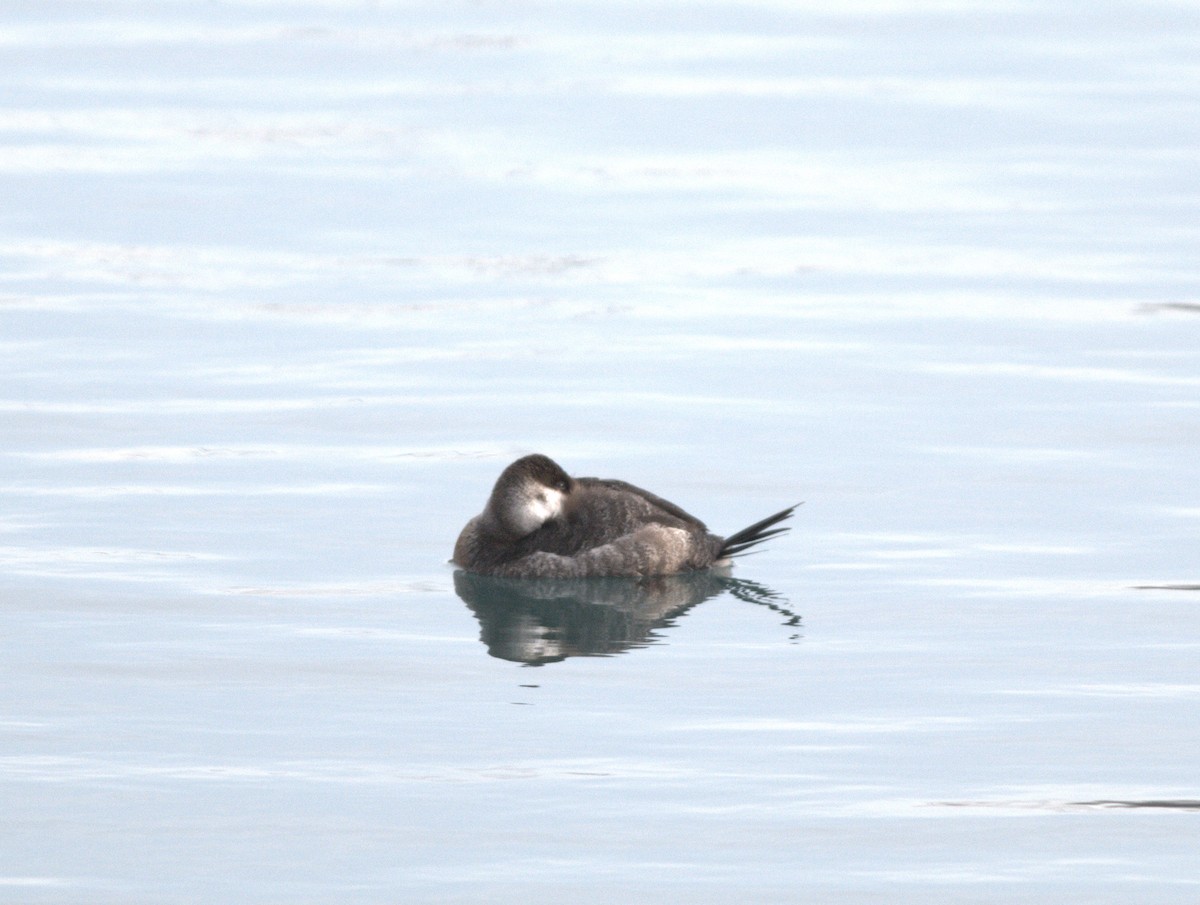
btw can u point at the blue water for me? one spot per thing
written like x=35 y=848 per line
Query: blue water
x=284 y=286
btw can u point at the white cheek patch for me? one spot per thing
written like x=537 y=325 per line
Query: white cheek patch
x=547 y=504
x=541 y=506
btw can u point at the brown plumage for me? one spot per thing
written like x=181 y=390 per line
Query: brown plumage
x=539 y=522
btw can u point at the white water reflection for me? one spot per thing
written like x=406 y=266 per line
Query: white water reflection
x=105 y=491
x=1137 y=690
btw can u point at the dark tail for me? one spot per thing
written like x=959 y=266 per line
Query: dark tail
x=739 y=543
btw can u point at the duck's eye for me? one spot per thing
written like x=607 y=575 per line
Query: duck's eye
x=563 y=486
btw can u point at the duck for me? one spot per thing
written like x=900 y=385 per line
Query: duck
x=540 y=522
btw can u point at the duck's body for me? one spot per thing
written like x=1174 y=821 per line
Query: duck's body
x=541 y=523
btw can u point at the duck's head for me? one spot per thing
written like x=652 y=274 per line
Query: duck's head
x=530 y=492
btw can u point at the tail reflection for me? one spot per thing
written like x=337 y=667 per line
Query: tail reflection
x=538 y=621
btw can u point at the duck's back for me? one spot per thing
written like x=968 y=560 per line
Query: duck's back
x=604 y=511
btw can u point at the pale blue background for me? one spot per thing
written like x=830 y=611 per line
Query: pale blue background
x=284 y=285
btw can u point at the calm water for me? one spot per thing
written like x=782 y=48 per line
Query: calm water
x=284 y=285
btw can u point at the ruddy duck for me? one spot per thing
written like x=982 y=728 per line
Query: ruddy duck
x=540 y=522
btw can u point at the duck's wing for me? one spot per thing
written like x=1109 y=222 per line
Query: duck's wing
x=648 y=500
x=599 y=514
x=653 y=549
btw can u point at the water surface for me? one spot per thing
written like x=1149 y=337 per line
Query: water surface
x=286 y=284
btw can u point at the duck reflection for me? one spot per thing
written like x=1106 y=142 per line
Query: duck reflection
x=538 y=621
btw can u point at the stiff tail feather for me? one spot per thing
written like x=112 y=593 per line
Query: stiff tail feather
x=739 y=543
